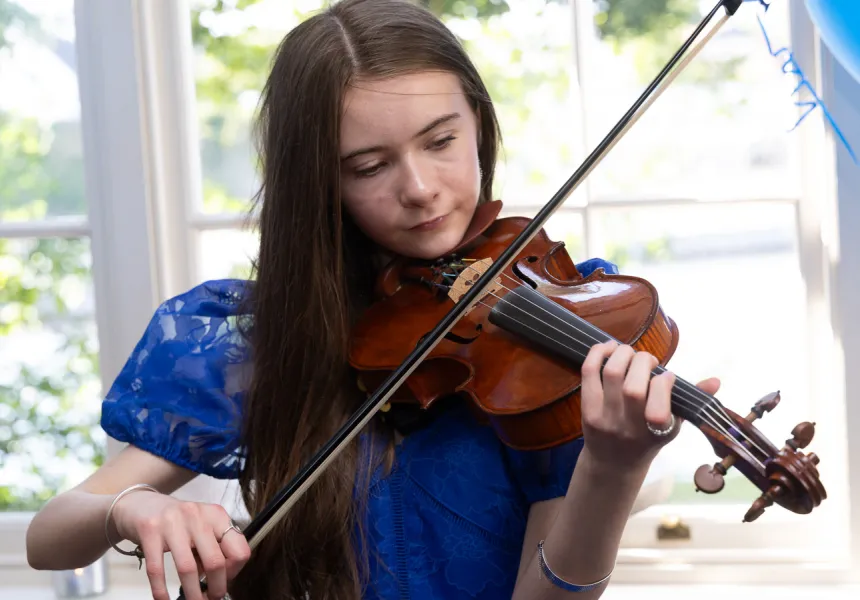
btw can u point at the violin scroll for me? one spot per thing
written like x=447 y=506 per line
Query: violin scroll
x=794 y=483
x=785 y=476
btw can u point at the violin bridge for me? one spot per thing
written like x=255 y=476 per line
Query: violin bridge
x=469 y=275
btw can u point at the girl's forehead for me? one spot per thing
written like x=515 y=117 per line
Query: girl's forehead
x=402 y=104
x=430 y=82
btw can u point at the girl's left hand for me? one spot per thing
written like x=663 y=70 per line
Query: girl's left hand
x=617 y=410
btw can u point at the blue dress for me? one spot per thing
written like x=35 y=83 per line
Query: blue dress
x=447 y=522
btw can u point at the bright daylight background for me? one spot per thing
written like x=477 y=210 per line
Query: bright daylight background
x=727 y=270
x=701 y=198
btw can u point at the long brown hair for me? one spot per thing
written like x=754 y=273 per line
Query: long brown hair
x=313 y=275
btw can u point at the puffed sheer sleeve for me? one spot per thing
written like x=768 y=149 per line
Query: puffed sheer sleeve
x=179 y=395
x=588 y=267
x=545 y=474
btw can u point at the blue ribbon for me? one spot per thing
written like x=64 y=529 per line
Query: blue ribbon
x=791 y=67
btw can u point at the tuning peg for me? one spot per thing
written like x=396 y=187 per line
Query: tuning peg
x=763 y=502
x=802 y=436
x=711 y=480
x=764 y=405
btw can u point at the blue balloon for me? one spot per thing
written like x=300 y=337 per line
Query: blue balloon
x=838 y=23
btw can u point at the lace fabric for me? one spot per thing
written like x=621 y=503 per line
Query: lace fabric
x=447 y=521
x=450 y=518
x=179 y=395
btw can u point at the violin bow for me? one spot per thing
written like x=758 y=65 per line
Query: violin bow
x=280 y=505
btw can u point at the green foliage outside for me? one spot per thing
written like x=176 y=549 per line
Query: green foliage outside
x=41 y=175
x=43 y=409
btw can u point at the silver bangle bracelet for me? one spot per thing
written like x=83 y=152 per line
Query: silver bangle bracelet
x=137 y=551
x=561 y=583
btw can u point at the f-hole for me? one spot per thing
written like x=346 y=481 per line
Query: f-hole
x=521 y=275
x=456 y=338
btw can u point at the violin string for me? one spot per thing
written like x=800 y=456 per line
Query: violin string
x=709 y=419
x=681 y=393
x=708 y=402
x=685 y=390
x=681 y=399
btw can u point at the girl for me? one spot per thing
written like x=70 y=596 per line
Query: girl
x=378 y=139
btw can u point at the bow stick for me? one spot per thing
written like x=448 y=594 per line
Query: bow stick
x=263 y=523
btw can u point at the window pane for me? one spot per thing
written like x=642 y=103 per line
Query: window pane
x=730 y=278
x=41 y=164
x=564 y=226
x=233 y=47
x=720 y=131
x=523 y=51
x=50 y=390
x=227 y=253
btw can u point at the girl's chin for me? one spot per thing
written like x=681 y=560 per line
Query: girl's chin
x=431 y=250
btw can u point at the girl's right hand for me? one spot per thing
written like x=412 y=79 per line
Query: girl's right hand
x=197 y=535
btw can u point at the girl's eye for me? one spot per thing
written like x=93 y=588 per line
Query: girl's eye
x=374 y=170
x=442 y=143
x=370 y=171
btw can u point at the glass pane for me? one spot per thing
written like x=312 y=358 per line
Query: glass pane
x=523 y=51
x=521 y=47
x=720 y=131
x=729 y=276
x=227 y=253
x=564 y=226
x=50 y=392
x=41 y=155
x=233 y=47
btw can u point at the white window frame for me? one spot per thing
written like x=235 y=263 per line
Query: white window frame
x=141 y=163
x=143 y=179
x=759 y=552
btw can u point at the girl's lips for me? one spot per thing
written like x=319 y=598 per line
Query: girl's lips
x=427 y=225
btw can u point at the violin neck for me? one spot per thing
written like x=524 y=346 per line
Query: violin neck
x=528 y=314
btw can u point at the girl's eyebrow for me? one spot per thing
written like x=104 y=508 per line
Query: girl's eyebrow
x=429 y=127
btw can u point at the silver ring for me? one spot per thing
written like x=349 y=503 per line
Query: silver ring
x=232 y=526
x=662 y=432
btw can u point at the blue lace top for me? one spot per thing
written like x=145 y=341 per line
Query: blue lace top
x=447 y=521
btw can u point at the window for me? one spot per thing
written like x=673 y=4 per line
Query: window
x=701 y=198
x=49 y=384
x=168 y=92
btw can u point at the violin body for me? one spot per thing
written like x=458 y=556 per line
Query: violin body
x=531 y=397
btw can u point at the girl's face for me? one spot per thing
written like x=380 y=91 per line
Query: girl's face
x=409 y=162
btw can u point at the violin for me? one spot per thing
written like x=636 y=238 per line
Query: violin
x=507 y=320
x=516 y=354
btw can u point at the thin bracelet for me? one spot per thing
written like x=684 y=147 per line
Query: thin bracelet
x=139 y=486
x=559 y=582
